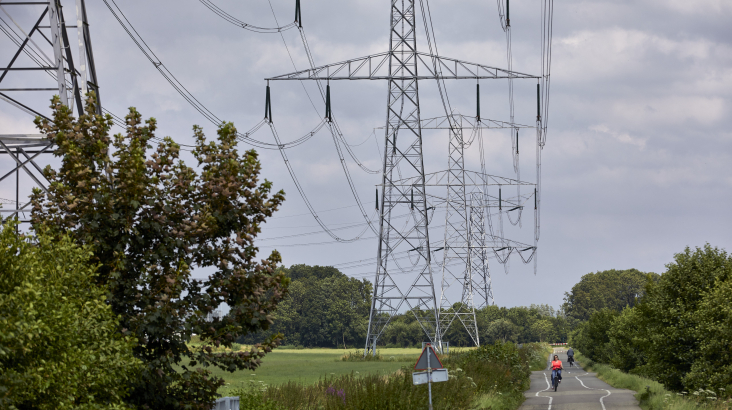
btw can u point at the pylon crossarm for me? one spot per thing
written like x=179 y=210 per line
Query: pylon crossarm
x=376 y=67
x=472 y=178
x=448 y=122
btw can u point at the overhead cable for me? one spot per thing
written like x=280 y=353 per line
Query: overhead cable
x=233 y=20
x=305 y=198
x=180 y=88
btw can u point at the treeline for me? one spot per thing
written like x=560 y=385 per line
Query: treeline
x=326 y=308
x=675 y=328
x=537 y=323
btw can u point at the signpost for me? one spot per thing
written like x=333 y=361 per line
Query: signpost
x=433 y=374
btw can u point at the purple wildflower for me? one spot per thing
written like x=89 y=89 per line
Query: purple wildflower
x=331 y=391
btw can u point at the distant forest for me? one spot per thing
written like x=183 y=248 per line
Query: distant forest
x=326 y=308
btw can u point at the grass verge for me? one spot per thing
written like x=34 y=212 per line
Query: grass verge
x=536 y=357
x=491 y=377
x=651 y=394
x=308 y=366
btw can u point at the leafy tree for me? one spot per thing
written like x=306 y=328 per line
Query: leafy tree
x=301 y=271
x=149 y=219
x=611 y=289
x=60 y=345
x=678 y=308
x=403 y=331
x=524 y=320
x=542 y=328
x=544 y=310
x=324 y=308
x=628 y=339
x=591 y=337
x=503 y=330
x=712 y=367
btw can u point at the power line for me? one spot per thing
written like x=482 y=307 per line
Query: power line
x=182 y=90
x=137 y=39
x=233 y=20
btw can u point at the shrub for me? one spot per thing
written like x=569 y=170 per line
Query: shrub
x=628 y=342
x=678 y=314
x=592 y=336
x=494 y=374
x=60 y=347
x=358 y=356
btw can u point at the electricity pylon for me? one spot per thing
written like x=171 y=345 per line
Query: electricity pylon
x=466 y=281
x=403 y=187
x=39 y=63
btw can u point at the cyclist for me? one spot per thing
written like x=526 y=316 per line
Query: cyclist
x=556 y=371
x=570 y=356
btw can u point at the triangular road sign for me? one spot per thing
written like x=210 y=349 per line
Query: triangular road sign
x=422 y=361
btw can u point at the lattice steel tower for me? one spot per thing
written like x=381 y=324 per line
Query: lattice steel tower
x=403 y=187
x=38 y=63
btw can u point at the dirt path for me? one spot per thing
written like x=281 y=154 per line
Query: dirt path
x=579 y=390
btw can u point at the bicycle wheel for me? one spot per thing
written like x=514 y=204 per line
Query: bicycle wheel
x=556 y=383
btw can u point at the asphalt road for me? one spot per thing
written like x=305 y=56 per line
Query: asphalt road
x=578 y=390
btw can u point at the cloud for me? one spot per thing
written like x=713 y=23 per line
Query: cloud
x=636 y=164
x=624 y=137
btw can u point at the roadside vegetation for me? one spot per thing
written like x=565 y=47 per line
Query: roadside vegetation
x=650 y=393
x=143 y=220
x=490 y=377
x=677 y=331
x=308 y=366
x=60 y=347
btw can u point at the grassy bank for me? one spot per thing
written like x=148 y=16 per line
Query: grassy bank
x=491 y=377
x=308 y=366
x=651 y=394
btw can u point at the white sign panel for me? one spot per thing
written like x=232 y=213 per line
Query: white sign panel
x=438 y=375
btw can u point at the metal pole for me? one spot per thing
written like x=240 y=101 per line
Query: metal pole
x=17 y=190
x=56 y=40
x=429 y=373
x=82 y=48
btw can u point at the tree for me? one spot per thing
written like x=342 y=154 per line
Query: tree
x=612 y=289
x=628 y=338
x=591 y=337
x=503 y=330
x=544 y=310
x=324 y=308
x=543 y=329
x=712 y=368
x=60 y=345
x=149 y=219
x=679 y=309
x=524 y=320
x=301 y=271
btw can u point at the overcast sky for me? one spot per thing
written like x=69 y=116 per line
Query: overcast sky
x=638 y=159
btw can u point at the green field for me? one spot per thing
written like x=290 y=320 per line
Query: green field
x=309 y=365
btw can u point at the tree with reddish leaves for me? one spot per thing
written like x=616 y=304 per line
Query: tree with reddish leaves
x=150 y=220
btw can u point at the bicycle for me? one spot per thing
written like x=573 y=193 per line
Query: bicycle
x=555 y=382
x=570 y=360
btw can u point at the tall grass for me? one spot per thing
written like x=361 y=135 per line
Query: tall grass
x=491 y=377
x=651 y=394
x=358 y=356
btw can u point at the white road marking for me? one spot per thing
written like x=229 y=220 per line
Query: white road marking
x=548 y=386
x=590 y=388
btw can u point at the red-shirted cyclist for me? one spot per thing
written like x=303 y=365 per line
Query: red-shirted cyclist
x=556 y=372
